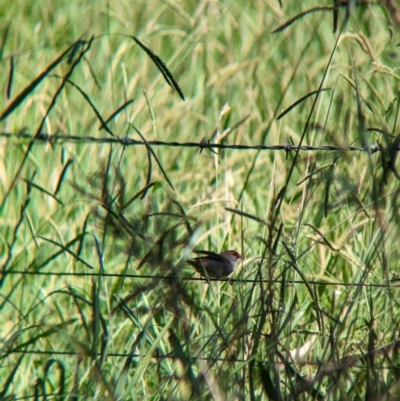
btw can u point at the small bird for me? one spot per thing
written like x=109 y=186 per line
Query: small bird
x=217 y=265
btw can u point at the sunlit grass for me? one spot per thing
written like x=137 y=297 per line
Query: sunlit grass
x=107 y=307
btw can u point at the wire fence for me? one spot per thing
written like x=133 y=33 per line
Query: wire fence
x=159 y=357
x=203 y=144
x=394 y=283
x=126 y=141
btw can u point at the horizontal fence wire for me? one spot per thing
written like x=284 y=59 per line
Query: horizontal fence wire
x=349 y=361
x=126 y=141
x=171 y=356
x=395 y=283
x=125 y=355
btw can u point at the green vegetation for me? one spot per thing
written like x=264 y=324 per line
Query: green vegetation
x=99 y=209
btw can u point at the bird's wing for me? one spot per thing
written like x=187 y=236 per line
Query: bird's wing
x=212 y=255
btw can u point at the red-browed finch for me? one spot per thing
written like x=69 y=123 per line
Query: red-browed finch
x=217 y=265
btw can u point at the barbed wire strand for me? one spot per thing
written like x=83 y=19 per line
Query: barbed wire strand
x=126 y=141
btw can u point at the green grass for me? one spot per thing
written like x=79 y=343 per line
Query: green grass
x=96 y=299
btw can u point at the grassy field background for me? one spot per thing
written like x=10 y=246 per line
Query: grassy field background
x=97 y=219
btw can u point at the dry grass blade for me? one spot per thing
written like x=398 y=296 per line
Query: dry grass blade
x=116 y=112
x=281 y=307
x=141 y=193
x=329 y=177
x=270 y=390
x=171 y=214
x=139 y=290
x=155 y=158
x=76 y=298
x=315 y=171
x=10 y=78
x=321 y=239
x=62 y=175
x=150 y=165
x=4 y=41
x=83 y=231
x=149 y=162
x=372 y=390
x=279 y=234
x=41 y=189
x=185 y=217
x=76 y=46
x=155 y=255
x=103 y=123
x=248 y=215
x=124 y=375
x=297 y=102
x=312 y=292
x=29 y=89
x=393 y=152
x=100 y=254
x=301 y=15
x=327 y=193
x=61 y=378
x=239 y=123
x=190 y=377
x=10 y=378
x=53 y=329
x=64 y=248
x=335 y=15
x=8 y=260
x=95 y=323
x=359 y=95
x=289 y=315
x=162 y=68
